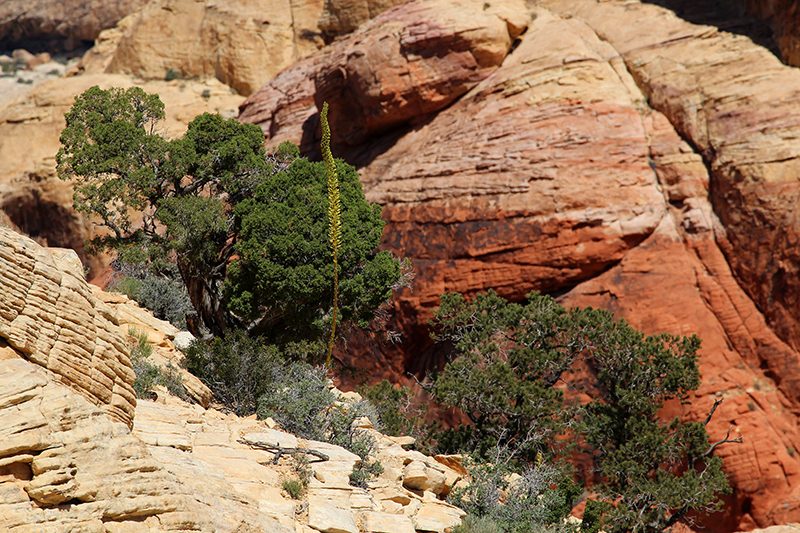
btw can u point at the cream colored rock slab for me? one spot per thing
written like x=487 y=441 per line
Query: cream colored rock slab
x=273 y=437
x=361 y=500
x=327 y=517
x=236 y=464
x=387 y=523
x=438 y=517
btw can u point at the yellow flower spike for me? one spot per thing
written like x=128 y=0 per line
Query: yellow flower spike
x=334 y=217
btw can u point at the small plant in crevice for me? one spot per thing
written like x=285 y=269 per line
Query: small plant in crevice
x=148 y=375
x=294 y=487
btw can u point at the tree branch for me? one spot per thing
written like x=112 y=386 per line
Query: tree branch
x=713 y=408
x=280 y=450
x=723 y=441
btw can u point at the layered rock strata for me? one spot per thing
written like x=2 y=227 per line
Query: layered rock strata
x=49 y=316
x=647 y=172
x=68 y=461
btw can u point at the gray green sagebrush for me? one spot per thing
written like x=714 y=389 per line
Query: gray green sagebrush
x=246 y=228
x=513 y=364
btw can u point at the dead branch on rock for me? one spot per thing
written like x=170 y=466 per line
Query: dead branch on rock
x=279 y=450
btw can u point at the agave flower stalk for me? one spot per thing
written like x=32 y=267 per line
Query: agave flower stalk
x=334 y=218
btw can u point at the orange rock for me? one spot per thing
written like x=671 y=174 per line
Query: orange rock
x=582 y=166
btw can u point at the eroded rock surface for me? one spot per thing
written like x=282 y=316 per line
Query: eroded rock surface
x=66 y=462
x=49 y=316
x=652 y=173
x=241 y=43
x=70 y=20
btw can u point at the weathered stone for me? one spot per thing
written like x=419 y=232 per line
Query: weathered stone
x=472 y=42
x=240 y=43
x=75 y=453
x=387 y=523
x=160 y=334
x=50 y=316
x=327 y=517
x=438 y=517
x=72 y=20
x=341 y=17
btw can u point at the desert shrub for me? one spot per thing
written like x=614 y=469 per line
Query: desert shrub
x=148 y=375
x=162 y=294
x=509 y=358
x=540 y=496
x=300 y=399
x=478 y=524
x=397 y=413
x=238 y=369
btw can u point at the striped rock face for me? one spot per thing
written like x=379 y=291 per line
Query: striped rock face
x=618 y=156
x=48 y=315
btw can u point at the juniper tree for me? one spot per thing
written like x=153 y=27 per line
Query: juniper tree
x=512 y=363
x=246 y=228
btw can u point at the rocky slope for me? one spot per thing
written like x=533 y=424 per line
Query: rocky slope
x=649 y=172
x=637 y=156
x=69 y=460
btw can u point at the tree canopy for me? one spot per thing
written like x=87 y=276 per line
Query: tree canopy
x=518 y=372
x=246 y=228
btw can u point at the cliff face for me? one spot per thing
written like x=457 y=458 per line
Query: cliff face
x=619 y=156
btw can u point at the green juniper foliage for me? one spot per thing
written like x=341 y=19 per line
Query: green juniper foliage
x=247 y=228
x=509 y=359
x=283 y=278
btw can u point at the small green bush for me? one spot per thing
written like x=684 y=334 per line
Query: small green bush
x=148 y=375
x=397 y=413
x=164 y=296
x=294 y=487
x=541 y=496
x=300 y=400
x=478 y=524
x=364 y=471
x=237 y=369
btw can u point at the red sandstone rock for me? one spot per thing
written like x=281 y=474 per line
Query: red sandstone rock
x=784 y=18
x=70 y=19
x=734 y=102
x=555 y=173
x=430 y=54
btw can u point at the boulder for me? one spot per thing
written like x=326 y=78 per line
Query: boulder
x=240 y=43
x=721 y=94
x=341 y=17
x=471 y=40
x=67 y=22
